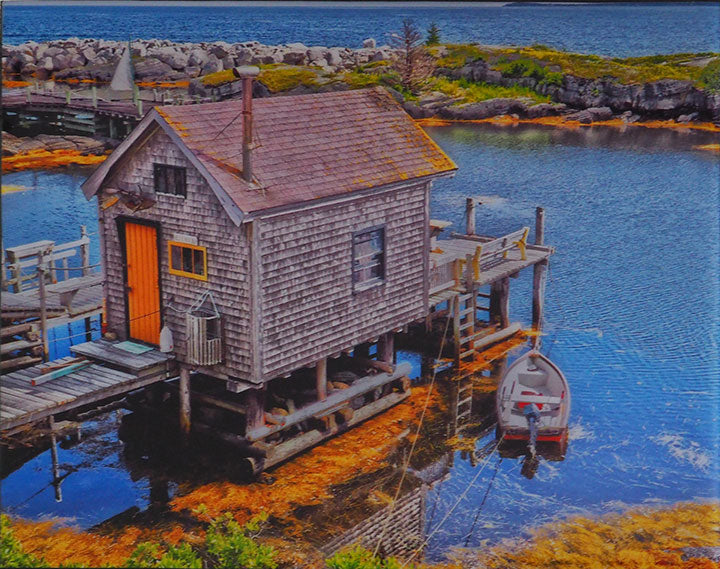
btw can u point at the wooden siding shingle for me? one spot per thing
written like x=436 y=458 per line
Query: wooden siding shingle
x=199 y=215
x=309 y=308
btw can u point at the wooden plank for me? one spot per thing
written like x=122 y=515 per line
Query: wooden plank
x=485 y=341
x=49 y=376
x=23 y=392
x=78 y=402
x=16 y=329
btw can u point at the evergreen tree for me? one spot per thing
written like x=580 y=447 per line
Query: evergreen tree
x=433 y=35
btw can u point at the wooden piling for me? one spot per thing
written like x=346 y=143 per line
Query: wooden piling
x=184 y=394
x=85 y=251
x=386 y=348
x=470 y=216
x=255 y=417
x=321 y=379
x=500 y=302
x=42 y=293
x=94 y=97
x=539 y=278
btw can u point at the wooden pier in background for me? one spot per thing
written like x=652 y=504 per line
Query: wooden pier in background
x=41 y=291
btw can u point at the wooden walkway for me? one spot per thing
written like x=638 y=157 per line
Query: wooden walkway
x=86 y=302
x=22 y=403
x=18 y=101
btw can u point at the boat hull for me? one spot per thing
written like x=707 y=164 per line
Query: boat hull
x=533 y=386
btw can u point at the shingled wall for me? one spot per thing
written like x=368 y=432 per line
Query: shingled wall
x=199 y=215
x=309 y=310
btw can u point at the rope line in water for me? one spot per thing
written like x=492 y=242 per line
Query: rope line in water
x=414 y=442
x=455 y=505
x=482 y=503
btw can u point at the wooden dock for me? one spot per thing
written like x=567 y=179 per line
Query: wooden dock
x=35 y=393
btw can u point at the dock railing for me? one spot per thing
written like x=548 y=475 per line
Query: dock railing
x=465 y=265
x=20 y=263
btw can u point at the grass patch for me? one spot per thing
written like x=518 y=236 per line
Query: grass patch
x=469 y=92
x=625 y=70
x=358 y=79
x=286 y=78
x=710 y=76
x=459 y=54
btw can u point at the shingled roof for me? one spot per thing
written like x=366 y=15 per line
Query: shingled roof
x=306 y=147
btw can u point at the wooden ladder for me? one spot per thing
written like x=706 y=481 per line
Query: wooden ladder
x=465 y=309
x=463 y=409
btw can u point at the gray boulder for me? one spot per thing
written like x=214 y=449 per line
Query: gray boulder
x=484 y=109
x=213 y=65
x=151 y=69
x=369 y=43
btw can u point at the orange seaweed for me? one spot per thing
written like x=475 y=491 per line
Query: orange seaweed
x=559 y=121
x=308 y=479
x=9 y=84
x=643 y=538
x=36 y=159
x=708 y=147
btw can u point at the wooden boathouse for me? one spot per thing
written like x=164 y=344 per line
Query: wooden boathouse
x=273 y=248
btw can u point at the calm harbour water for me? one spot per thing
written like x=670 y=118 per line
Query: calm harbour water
x=631 y=316
x=623 y=29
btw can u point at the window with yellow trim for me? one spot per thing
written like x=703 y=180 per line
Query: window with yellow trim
x=188 y=260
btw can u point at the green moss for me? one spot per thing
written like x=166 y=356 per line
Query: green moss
x=470 y=92
x=459 y=54
x=219 y=78
x=285 y=78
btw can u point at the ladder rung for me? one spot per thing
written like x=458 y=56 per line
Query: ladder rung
x=464 y=297
x=467 y=325
x=466 y=339
x=467 y=353
x=464 y=401
x=485 y=308
x=483 y=295
x=465 y=312
x=467 y=412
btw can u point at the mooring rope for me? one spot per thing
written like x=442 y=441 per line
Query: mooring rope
x=482 y=503
x=414 y=441
x=455 y=505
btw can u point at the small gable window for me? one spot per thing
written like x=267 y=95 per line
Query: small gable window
x=368 y=264
x=188 y=260
x=170 y=180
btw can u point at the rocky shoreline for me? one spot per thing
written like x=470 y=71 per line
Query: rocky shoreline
x=576 y=98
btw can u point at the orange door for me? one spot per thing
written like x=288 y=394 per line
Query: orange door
x=143 y=285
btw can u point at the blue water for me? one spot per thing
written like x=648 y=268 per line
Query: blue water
x=608 y=29
x=631 y=317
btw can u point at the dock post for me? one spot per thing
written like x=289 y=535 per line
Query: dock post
x=386 y=348
x=68 y=96
x=539 y=277
x=321 y=379
x=470 y=216
x=43 y=303
x=85 y=251
x=28 y=93
x=94 y=97
x=184 y=400
x=500 y=302
x=255 y=416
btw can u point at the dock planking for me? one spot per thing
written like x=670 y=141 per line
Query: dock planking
x=109 y=353
x=22 y=403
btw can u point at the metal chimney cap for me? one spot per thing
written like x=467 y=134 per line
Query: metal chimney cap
x=246 y=71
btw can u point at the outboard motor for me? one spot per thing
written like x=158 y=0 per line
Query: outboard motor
x=532 y=414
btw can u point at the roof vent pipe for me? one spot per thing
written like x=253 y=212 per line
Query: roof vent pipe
x=247 y=73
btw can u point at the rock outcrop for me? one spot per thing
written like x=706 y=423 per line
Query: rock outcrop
x=12 y=145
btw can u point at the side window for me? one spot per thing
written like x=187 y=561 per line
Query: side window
x=368 y=263
x=188 y=260
x=170 y=180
